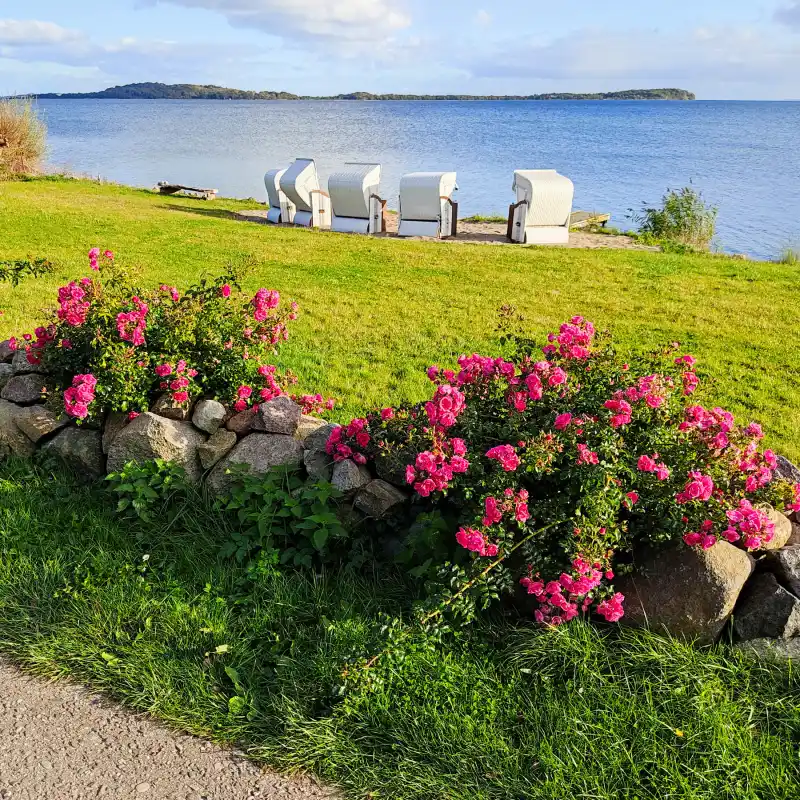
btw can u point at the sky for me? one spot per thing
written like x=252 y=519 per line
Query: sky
x=720 y=49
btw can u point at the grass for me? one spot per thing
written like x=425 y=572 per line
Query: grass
x=504 y=712
x=492 y=218
x=683 y=218
x=23 y=138
x=790 y=257
x=376 y=312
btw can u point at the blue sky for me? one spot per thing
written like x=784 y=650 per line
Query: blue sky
x=722 y=49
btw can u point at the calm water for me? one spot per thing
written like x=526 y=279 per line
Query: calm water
x=743 y=156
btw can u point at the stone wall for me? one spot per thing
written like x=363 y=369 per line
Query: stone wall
x=688 y=592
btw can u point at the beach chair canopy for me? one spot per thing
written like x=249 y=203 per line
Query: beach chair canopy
x=272 y=180
x=350 y=190
x=421 y=193
x=548 y=195
x=298 y=181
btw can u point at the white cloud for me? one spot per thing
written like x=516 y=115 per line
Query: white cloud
x=31 y=32
x=789 y=15
x=483 y=18
x=343 y=20
x=722 y=54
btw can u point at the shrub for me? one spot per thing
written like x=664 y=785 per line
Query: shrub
x=110 y=346
x=551 y=466
x=149 y=490
x=23 y=138
x=284 y=519
x=790 y=256
x=683 y=218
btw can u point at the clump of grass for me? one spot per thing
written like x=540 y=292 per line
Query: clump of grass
x=790 y=256
x=492 y=218
x=23 y=138
x=683 y=218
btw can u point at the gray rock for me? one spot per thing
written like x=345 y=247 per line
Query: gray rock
x=787 y=470
x=317 y=439
x=319 y=465
x=256 y=454
x=281 y=415
x=24 y=389
x=377 y=498
x=12 y=440
x=686 y=591
x=165 y=406
x=6 y=353
x=22 y=366
x=115 y=422
x=80 y=448
x=783 y=531
x=392 y=467
x=785 y=563
x=218 y=446
x=36 y=422
x=771 y=649
x=766 y=610
x=208 y=415
x=242 y=422
x=6 y=371
x=349 y=476
x=794 y=539
x=150 y=436
x=309 y=425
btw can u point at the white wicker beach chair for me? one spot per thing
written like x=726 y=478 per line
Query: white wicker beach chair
x=357 y=207
x=300 y=183
x=544 y=204
x=281 y=208
x=426 y=204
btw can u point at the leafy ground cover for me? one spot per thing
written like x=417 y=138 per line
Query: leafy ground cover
x=376 y=312
x=150 y=612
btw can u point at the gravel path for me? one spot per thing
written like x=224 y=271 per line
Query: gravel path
x=59 y=741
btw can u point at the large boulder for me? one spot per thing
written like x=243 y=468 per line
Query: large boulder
x=319 y=465
x=6 y=353
x=218 y=446
x=377 y=498
x=80 y=449
x=114 y=423
x=209 y=415
x=766 y=610
x=12 y=439
x=22 y=366
x=780 y=650
x=349 y=476
x=787 y=470
x=165 y=406
x=150 y=436
x=6 y=371
x=256 y=454
x=685 y=591
x=24 y=389
x=36 y=422
x=281 y=415
x=785 y=564
x=783 y=531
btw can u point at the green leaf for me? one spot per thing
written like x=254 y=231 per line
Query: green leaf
x=320 y=537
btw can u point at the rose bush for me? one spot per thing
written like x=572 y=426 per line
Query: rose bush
x=553 y=464
x=110 y=346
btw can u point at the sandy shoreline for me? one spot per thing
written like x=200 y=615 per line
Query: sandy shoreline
x=493 y=233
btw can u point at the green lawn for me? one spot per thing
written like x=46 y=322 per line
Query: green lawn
x=505 y=713
x=377 y=311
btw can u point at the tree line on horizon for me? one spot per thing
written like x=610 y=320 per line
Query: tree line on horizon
x=190 y=91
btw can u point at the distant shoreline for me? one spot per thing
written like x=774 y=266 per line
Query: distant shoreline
x=161 y=91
